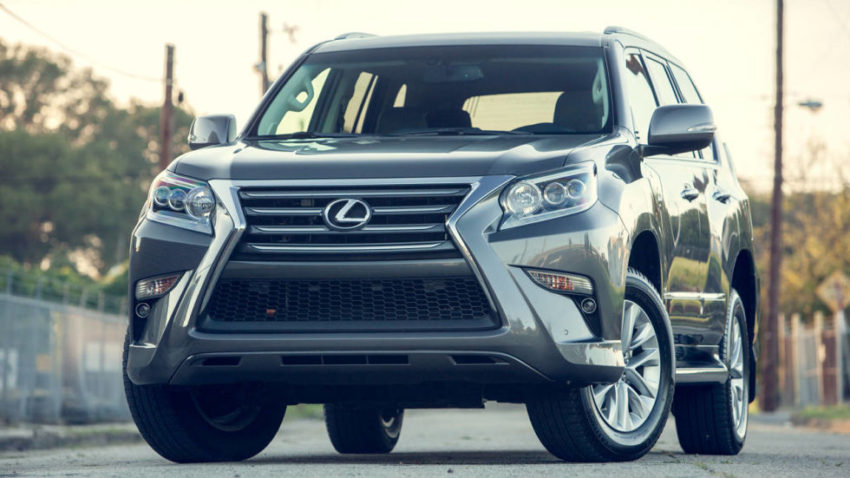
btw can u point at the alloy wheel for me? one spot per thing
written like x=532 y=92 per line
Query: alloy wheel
x=626 y=404
x=738 y=381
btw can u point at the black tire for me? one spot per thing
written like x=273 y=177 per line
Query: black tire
x=567 y=421
x=363 y=430
x=176 y=423
x=705 y=423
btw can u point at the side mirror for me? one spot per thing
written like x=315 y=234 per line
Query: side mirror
x=679 y=128
x=212 y=130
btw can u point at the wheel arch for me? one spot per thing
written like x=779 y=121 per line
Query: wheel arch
x=645 y=257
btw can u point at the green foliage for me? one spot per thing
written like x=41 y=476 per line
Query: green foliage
x=75 y=165
x=835 y=412
x=816 y=243
x=62 y=283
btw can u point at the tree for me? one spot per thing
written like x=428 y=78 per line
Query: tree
x=76 y=166
x=816 y=235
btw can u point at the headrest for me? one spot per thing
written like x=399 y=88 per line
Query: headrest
x=448 y=119
x=396 y=119
x=576 y=112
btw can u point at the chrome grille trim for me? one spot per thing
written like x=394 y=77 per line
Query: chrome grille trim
x=418 y=246
x=405 y=216
x=378 y=229
x=365 y=193
x=277 y=211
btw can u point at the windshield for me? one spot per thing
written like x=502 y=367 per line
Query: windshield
x=499 y=89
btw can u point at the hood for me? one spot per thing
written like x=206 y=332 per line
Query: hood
x=381 y=157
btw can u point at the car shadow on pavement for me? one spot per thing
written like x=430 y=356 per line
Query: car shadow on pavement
x=500 y=457
x=418 y=458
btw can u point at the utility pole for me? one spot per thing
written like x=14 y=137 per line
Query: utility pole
x=771 y=357
x=166 y=117
x=263 y=66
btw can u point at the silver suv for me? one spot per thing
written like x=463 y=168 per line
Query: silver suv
x=442 y=220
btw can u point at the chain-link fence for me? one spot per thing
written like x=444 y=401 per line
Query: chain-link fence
x=60 y=353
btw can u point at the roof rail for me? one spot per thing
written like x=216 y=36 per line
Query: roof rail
x=346 y=36
x=624 y=31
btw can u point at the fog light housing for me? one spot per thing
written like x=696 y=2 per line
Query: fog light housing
x=561 y=282
x=143 y=310
x=156 y=286
x=588 y=306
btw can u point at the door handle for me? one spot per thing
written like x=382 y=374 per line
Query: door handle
x=689 y=192
x=722 y=196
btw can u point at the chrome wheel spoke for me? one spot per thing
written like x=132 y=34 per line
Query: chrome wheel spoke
x=600 y=393
x=644 y=334
x=623 y=419
x=640 y=384
x=648 y=357
x=630 y=313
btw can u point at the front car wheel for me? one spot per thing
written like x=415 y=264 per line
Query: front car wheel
x=623 y=420
x=203 y=424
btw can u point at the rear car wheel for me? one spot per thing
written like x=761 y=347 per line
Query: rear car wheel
x=712 y=419
x=623 y=420
x=203 y=424
x=363 y=430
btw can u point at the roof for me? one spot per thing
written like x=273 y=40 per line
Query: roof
x=360 y=41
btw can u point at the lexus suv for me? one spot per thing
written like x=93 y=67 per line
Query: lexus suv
x=443 y=220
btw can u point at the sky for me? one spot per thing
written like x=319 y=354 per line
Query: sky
x=727 y=45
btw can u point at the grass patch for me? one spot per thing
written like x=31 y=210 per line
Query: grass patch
x=837 y=412
x=302 y=411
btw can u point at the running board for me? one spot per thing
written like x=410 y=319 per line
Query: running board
x=710 y=373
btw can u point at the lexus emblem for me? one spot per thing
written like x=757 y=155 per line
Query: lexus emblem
x=347 y=214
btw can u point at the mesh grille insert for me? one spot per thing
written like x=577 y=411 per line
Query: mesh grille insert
x=413 y=302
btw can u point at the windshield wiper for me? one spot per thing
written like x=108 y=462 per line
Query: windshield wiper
x=304 y=135
x=454 y=132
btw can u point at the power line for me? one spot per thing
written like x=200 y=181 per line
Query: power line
x=74 y=51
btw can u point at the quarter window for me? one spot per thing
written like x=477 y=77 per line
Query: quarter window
x=661 y=81
x=641 y=99
x=686 y=86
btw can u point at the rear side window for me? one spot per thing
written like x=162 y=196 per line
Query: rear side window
x=691 y=95
x=686 y=86
x=641 y=99
x=661 y=81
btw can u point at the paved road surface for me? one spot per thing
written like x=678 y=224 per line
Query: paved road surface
x=457 y=443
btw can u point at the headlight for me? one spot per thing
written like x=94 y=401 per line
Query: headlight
x=182 y=202
x=544 y=197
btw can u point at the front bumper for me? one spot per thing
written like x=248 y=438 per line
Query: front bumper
x=542 y=336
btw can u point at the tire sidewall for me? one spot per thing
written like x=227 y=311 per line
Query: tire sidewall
x=639 y=291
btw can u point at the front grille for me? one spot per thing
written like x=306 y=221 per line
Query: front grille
x=286 y=223
x=355 y=304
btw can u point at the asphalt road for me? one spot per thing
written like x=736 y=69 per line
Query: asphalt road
x=484 y=443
